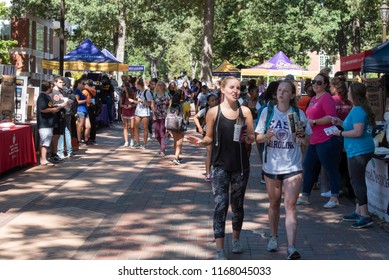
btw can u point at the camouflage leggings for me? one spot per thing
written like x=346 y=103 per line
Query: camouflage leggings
x=220 y=186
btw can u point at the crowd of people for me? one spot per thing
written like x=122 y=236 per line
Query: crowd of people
x=299 y=138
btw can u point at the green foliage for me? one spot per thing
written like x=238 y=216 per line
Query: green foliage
x=5 y=45
x=245 y=32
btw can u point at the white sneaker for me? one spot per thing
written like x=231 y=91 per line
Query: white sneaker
x=326 y=194
x=125 y=144
x=303 y=201
x=293 y=254
x=236 y=247
x=331 y=204
x=220 y=255
x=132 y=143
x=272 y=244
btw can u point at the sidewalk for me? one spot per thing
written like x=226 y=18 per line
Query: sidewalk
x=111 y=202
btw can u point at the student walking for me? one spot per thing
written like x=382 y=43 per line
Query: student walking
x=282 y=164
x=230 y=161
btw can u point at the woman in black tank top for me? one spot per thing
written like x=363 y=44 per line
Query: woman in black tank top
x=230 y=161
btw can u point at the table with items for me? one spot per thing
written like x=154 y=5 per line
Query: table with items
x=17 y=147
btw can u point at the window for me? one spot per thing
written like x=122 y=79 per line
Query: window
x=40 y=41
x=5 y=30
x=30 y=34
x=325 y=61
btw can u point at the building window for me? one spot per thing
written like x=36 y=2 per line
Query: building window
x=49 y=45
x=30 y=35
x=40 y=42
x=326 y=61
x=5 y=30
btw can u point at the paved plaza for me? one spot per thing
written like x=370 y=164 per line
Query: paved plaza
x=115 y=203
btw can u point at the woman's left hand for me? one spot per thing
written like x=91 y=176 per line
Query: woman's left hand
x=194 y=140
x=337 y=132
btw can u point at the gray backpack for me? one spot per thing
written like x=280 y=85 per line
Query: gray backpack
x=174 y=118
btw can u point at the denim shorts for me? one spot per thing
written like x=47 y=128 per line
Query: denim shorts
x=82 y=115
x=45 y=136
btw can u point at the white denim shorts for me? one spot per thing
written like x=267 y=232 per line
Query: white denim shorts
x=45 y=136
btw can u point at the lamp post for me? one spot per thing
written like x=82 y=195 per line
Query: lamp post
x=384 y=11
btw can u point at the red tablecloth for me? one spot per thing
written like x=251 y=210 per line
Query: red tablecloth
x=16 y=147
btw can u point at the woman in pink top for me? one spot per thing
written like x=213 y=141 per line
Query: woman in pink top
x=339 y=94
x=323 y=149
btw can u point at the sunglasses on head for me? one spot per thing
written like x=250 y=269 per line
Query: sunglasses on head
x=319 y=83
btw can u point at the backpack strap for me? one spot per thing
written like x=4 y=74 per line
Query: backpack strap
x=217 y=125
x=269 y=116
x=296 y=110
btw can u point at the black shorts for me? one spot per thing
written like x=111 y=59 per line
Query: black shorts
x=281 y=177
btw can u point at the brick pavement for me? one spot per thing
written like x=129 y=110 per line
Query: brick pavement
x=111 y=202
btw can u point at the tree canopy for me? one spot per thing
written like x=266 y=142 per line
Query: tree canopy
x=167 y=35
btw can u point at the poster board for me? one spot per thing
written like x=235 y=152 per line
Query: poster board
x=7 y=102
x=21 y=98
x=375 y=97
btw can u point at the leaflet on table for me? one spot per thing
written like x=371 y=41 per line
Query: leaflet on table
x=330 y=130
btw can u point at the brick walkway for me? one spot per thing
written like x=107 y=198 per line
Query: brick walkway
x=111 y=202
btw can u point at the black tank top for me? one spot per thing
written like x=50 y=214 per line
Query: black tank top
x=226 y=153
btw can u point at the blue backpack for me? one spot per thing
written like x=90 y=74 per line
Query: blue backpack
x=270 y=113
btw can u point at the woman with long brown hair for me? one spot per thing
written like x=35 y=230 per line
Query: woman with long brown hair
x=359 y=146
x=183 y=107
x=128 y=104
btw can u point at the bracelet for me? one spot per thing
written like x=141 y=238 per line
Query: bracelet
x=341 y=132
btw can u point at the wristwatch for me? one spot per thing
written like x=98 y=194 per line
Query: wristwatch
x=314 y=122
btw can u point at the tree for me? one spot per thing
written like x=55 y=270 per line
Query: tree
x=5 y=45
x=207 y=56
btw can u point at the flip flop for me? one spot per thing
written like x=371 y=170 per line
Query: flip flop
x=48 y=164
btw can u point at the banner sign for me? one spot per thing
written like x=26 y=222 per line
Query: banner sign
x=377 y=183
x=136 y=68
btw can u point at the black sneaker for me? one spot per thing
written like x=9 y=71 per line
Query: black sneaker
x=54 y=160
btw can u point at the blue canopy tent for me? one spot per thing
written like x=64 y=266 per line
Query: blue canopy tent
x=86 y=57
x=110 y=55
x=378 y=62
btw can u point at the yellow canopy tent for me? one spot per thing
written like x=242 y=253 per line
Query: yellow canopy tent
x=86 y=57
x=226 y=69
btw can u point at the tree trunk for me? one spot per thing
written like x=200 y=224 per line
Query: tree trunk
x=154 y=67
x=193 y=64
x=342 y=45
x=356 y=36
x=154 y=62
x=121 y=35
x=206 y=60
